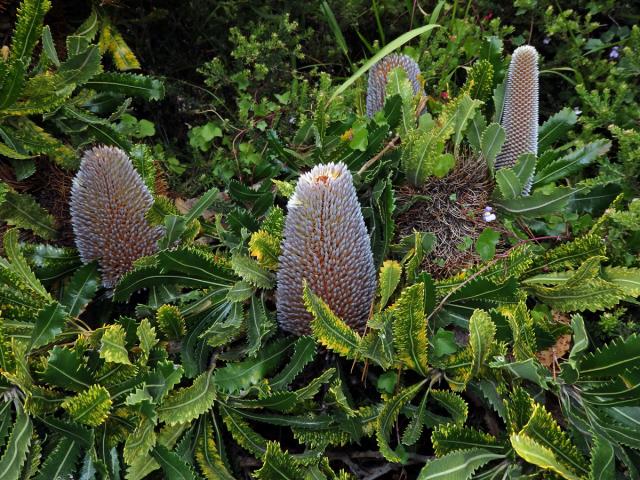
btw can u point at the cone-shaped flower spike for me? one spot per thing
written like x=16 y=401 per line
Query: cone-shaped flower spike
x=325 y=243
x=109 y=201
x=520 y=115
x=377 y=87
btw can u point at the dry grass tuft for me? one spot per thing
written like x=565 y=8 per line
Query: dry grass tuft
x=451 y=208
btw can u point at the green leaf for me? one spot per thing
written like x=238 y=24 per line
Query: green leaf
x=509 y=184
x=556 y=128
x=572 y=162
x=465 y=111
x=65 y=368
x=611 y=359
x=49 y=323
x=388 y=416
x=259 y=325
x=491 y=143
x=81 y=289
x=238 y=376
x=486 y=243
x=16 y=452
x=128 y=84
x=188 y=403
x=450 y=437
x=460 y=465
x=328 y=329
x=112 y=345
x=172 y=464
x=304 y=352
x=249 y=270
x=410 y=329
x=49 y=48
x=482 y=333
x=61 y=461
x=28 y=28
x=603 y=461
x=386 y=50
x=414 y=430
x=147 y=335
x=19 y=265
x=78 y=69
x=537 y=454
x=90 y=407
x=627 y=279
x=242 y=433
x=278 y=465
x=21 y=210
x=207 y=455
x=390 y=274
x=538 y=204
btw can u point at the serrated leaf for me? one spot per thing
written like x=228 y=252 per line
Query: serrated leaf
x=603 y=462
x=49 y=323
x=259 y=325
x=491 y=143
x=112 y=345
x=21 y=210
x=304 y=352
x=536 y=454
x=460 y=465
x=556 y=128
x=328 y=329
x=249 y=270
x=15 y=454
x=188 y=403
x=482 y=333
x=414 y=430
x=65 y=368
x=235 y=377
x=79 y=68
x=147 y=335
x=465 y=111
x=538 y=204
x=207 y=456
x=90 y=407
x=388 y=416
x=390 y=274
x=172 y=464
x=508 y=183
x=81 y=289
x=242 y=433
x=410 y=329
x=278 y=465
x=60 y=463
x=128 y=84
x=19 y=265
x=572 y=162
x=611 y=359
x=450 y=437
x=627 y=279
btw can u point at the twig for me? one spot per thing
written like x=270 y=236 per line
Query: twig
x=374 y=159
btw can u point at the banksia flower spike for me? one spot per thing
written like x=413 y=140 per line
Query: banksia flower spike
x=520 y=115
x=325 y=243
x=377 y=87
x=109 y=201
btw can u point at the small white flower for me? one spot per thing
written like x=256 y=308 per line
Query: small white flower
x=487 y=216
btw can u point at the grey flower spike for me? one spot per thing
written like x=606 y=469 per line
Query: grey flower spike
x=325 y=243
x=520 y=115
x=108 y=205
x=377 y=86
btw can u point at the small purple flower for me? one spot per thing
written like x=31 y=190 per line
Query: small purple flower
x=613 y=54
x=546 y=40
x=487 y=216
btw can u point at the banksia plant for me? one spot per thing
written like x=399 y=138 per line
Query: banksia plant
x=108 y=205
x=325 y=244
x=378 y=74
x=520 y=115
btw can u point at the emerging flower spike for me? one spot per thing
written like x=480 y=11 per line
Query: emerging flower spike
x=325 y=243
x=108 y=203
x=377 y=87
x=520 y=115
